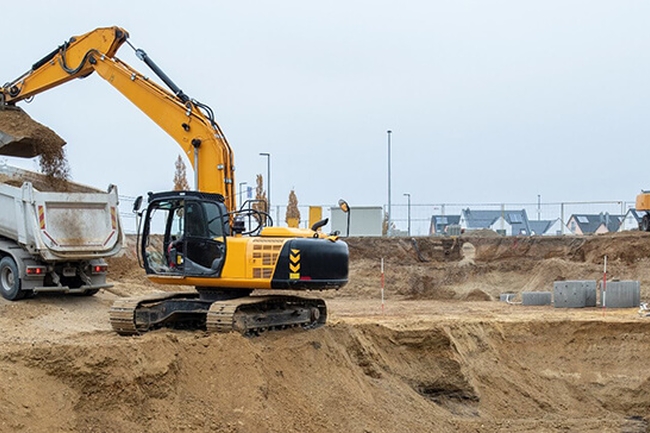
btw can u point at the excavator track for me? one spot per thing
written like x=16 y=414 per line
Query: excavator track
x=250 y=316
x=257 y=314
x=124 y=312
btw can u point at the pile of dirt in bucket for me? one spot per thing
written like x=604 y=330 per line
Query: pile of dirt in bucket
x=22 y=136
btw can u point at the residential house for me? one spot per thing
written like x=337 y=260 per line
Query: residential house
x=581 y=224
x=631 y=220
x=505 y=222
x=548 y=227
x=440 y=224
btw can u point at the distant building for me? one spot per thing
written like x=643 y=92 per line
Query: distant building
x=440 y=224
x=547 y=227
x=364 y=220
x=582 y=224
x=631 y=220
x=504 y=222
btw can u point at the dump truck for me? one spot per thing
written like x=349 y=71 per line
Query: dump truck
x=53 y=241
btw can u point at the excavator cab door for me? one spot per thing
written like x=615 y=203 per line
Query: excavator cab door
x=184 y=236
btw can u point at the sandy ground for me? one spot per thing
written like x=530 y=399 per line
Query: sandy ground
x=443 y=354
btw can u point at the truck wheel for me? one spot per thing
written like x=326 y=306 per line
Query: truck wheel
x=10 y=280
x=645 y=223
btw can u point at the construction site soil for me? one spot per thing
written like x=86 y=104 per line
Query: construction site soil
x=441 y=355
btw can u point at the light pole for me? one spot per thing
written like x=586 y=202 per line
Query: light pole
x=408 y=208
x=389 y=132
x=343 y=205
x=268 y=180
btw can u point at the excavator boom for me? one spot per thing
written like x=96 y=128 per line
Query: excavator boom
x=190 y=123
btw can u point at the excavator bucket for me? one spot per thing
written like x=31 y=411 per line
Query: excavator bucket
x=22 y=136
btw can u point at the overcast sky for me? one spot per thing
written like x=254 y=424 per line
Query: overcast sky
x=488 y=101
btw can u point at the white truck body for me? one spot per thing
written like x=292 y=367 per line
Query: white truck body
x=64 y=234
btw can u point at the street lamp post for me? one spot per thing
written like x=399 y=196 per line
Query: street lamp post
x=389 y=132
x=408 y=209
x=268 y=180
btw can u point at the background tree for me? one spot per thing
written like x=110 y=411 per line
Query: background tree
x=180 y=176
x=261 y=202
x=384 y=226
x=292 y=217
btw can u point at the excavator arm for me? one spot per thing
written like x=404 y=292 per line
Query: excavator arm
x=190 y=123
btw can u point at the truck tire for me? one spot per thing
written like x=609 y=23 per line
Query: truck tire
x=645 y=223
x=10 y=280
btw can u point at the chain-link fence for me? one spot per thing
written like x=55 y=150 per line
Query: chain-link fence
x=420 y=219
x=416 y=219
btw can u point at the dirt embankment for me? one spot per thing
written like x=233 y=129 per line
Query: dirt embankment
x=472 y=267
x=465 y=376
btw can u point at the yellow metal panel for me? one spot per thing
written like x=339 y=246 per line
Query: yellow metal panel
x=643 y=201
x=315 y=215
x=286 y=232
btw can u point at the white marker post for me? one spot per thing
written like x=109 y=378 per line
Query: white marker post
x=604 y=284
x=382 y=285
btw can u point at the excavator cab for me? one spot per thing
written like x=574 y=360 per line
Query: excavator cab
x=184 y=234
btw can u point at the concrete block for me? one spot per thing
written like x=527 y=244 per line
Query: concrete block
x=622 y=294
x=574 y=294
x=536 y=298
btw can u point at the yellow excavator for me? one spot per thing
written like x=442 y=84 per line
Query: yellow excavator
x=199 y=237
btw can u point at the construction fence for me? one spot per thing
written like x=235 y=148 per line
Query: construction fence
x=415 y=219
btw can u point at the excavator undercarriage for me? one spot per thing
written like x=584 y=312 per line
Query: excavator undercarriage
x=248 y=315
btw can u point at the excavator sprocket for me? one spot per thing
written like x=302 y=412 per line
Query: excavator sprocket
x=250 y=315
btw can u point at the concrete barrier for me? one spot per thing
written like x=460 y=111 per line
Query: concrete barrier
x=536 y=298
x=622 y=294
x=574 y=294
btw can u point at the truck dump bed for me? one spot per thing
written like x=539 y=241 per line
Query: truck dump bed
x=80 y=223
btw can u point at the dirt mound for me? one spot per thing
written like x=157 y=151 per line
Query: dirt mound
x=437 y=375
x=43 y=182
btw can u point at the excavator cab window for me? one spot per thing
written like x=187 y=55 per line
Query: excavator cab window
x=184 y=236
